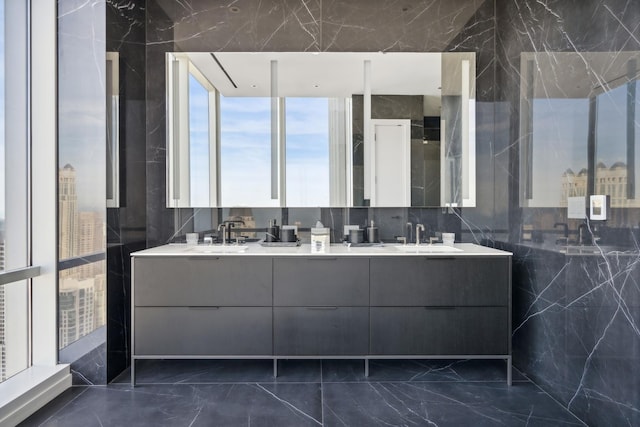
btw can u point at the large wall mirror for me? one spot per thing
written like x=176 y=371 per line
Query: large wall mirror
x=294 y=129
x=579 y=121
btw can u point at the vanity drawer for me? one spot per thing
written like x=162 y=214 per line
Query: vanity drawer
x=321 y=331
x=438 y=281
x=321 y=281
x=202 y=281
x=203 y=331
x=439 y=330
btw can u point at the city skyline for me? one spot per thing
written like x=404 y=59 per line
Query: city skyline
x=82 y=290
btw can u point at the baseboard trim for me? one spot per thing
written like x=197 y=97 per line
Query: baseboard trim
x=28 y=391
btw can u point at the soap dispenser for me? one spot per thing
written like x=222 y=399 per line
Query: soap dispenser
x=372 y=234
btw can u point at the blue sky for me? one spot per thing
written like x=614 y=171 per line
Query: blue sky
x=245 y=149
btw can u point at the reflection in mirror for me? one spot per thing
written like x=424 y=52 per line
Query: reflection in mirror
x=229 y=144
x=578 y=127
x=245 y=150
x=113 y=129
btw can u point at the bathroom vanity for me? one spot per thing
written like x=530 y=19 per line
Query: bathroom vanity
x=249 y=301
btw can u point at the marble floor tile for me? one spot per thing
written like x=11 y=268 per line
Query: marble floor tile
x=222 y=371
x=56 y=405
x=441 y=404
x=417 y=370
x=309 y=392
x=191 y=405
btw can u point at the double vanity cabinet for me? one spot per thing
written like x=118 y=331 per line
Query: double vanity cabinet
x=360 y=303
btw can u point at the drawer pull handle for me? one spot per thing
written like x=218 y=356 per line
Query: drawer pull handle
x=204 y=308
x=440 y=307
x=203 y=258
x=322 y=259
x=322 y=308
x=439 y=258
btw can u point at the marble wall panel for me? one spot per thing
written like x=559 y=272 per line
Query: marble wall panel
x=126 y=222
x=575 y=319
x=379 y=25
x=575 y=329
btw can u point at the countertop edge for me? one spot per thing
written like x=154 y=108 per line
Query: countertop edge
x=466 y=250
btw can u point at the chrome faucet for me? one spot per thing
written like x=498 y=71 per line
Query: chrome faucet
x=418 y=228
x=228 y=225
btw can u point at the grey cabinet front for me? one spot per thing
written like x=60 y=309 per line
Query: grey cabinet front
x=203 y=281
x=439 y=330
x=203 y=331
x=321 y=281
x=321 y=331
x=438 y=281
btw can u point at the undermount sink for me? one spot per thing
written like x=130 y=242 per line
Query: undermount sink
x=218 y=249
x=435 y=248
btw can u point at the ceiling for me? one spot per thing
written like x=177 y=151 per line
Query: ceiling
x=326 y=74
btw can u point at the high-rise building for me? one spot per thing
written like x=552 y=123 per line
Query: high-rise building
x=100 y=296
x=77 y=308
x=91 y=238
x=68 y=212
x=611 y=181
x=82 y=289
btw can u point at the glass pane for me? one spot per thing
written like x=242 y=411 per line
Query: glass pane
x=82 y=300
x=245 y=152
x=611 y=174
x=559 y=156
x=2 y=137
x=199 y=143
x=13 y=329
x=307 y=137
x=82 y=195
x=14 y=355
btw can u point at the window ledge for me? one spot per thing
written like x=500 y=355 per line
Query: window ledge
x=26 y=392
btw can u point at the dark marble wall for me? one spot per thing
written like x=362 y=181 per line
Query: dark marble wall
x=126 y=223
x=575 y=329
x=334 y=26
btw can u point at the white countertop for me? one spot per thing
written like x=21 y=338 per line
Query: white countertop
x=255 y=249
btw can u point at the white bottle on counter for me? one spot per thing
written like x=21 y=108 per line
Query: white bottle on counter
x=320 y=239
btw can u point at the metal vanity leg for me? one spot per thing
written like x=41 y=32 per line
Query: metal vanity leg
x=509 y=373
x=275 y=368
x=366 y=368
x=133 y=372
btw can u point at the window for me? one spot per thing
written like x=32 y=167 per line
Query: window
x=199 y=142
x=82 y=183
x=14 y=215
x=616 y=129
x=307 y=137
x=246 y=149
x=245 y=152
